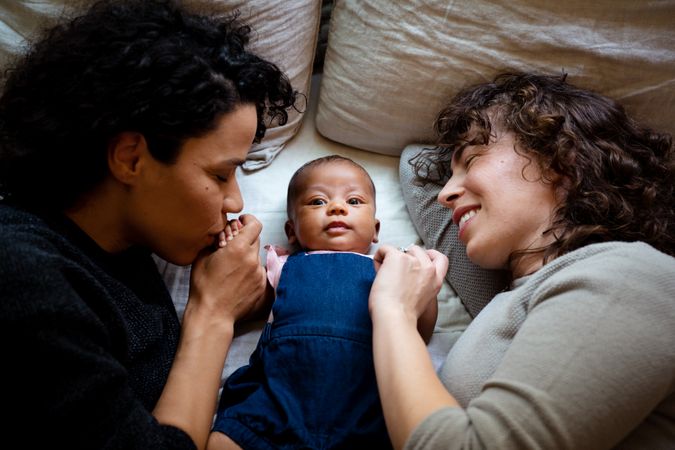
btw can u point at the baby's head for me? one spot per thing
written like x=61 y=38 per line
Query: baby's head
x=331 y=206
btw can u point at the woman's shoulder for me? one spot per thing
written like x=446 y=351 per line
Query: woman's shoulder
x=23 y=233
x=33 y=266
x=40 y=251
x=617 y=258
x=611 y=270
x=12 y=218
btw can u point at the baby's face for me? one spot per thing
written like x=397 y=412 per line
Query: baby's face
x=334 y=210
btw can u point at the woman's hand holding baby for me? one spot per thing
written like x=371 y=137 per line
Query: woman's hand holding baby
x=230 y=281
x=406 y=282
x=405 y=286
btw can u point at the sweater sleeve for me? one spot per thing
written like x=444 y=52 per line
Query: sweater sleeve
x=592 y=360
x=66 y=383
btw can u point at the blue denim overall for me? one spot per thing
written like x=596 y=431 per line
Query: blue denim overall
x=310 y=383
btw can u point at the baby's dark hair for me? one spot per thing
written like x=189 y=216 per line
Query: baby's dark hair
x=294 y=185
x=146 y=66
x=617 y=175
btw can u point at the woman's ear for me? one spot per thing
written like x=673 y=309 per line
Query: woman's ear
x=377 y=231
x=289 y=228
x=124 y=155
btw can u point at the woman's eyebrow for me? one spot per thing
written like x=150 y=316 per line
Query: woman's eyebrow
x=231 y=162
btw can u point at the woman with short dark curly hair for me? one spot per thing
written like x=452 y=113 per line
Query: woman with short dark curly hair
x=120 y=134
x=557 y=186
x=133 y=67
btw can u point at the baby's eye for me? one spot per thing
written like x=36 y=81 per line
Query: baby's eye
x=317 y=201
x=354 y=201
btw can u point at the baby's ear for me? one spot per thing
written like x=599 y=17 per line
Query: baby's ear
x=377 y=231
x=289 y=228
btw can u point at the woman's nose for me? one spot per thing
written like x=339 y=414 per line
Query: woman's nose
x=450 y=192
x=337 y=208
x=233 y=202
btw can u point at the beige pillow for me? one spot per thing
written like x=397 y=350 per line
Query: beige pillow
x=391 y=65
x=284 y=32
x=21 y=19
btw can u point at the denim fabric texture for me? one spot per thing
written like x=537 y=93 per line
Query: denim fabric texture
x=310 y=383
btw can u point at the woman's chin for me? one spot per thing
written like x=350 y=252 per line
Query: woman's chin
x=483 y=259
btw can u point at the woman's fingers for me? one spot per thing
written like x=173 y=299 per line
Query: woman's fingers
x=441 y=264
x=406 y=281
x=250 y=229
x=381 y=253
x=231 y=279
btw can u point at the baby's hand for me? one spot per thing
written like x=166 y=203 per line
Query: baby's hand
x=231 y=230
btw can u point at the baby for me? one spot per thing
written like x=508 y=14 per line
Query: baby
x=311 y=382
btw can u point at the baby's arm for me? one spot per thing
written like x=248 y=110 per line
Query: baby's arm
x=268 y=295
x=427 y=321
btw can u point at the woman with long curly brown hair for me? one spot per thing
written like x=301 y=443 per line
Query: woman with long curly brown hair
x=558 y=186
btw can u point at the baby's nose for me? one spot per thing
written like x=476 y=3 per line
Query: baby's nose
x=336 y=207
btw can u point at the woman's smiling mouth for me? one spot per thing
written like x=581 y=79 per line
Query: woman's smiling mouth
x=463 y=216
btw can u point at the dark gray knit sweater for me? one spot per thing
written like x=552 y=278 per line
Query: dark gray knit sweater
x=87 y=339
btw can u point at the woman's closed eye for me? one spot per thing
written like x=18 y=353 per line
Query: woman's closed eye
x=465 y=157
x=224 y=176
x=469 y=160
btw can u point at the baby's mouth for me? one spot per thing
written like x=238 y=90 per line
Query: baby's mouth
x=337 y=226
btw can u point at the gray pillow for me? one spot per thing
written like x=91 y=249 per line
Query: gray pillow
x=474 y=286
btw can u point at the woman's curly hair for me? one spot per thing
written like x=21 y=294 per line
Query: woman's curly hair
x=617 y=175
x=146 y=66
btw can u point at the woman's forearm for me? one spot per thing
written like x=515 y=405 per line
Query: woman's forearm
x=226 y=284
x=189 y=397
x=409 y=388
